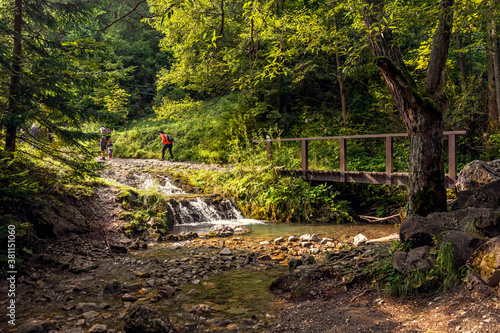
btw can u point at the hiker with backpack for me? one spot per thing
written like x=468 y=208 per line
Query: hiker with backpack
x=167 y=140
x=105 y=138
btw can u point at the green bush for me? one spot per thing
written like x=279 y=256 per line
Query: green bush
x=441 y=277
x=262 y=194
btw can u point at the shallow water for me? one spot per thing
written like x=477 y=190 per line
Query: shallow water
x=262 y=230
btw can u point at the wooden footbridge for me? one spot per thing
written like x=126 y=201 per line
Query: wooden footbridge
x=389 y=177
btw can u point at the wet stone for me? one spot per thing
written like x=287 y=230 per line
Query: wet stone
x=98 y=328
x=113 y=287
x=86 y=307
x=129 y=298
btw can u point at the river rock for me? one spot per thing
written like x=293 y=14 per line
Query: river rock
x=43 y=259
x=279 y=240
x=129 y=298
x=86 y=307
x=309 y=238
x=166 y=291
x=478 y=173
x=118 y=248
x=225 y=252
x=417 y=258
x=144 y=319
x=359 y=239
x=80 y=265
x=200 y=308
x=113 y=287
x=292 y=239
x=98 y=328
x=34 y=326
x=294 y=263
x=485 y=262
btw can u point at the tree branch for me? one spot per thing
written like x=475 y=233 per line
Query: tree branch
x=124 y=16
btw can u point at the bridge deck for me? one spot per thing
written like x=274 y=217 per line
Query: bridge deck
x=388 y=177
x=381 y=178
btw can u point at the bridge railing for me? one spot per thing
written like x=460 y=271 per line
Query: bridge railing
x=387 y=177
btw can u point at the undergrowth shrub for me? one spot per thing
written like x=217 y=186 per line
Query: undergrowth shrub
x=441 y=277
x=142 y=206
x=262 y=194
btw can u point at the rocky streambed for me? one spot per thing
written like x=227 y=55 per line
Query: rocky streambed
x=76 y=284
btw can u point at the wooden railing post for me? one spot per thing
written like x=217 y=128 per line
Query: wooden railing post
x=389 y=163
x=452 y=158
x=305 y=157
x=268 y=144
x=343 y=159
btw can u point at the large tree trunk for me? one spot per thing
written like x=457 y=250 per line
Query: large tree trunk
x=422 y=116
x=15 y=79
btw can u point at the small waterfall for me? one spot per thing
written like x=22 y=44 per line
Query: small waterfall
x=203 y=211
x=197 y=214
x=167 y=188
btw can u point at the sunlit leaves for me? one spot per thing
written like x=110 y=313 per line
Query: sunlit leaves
x=177 y=110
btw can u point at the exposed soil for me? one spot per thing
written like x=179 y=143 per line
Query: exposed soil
x=364 y=310
x=324 y=299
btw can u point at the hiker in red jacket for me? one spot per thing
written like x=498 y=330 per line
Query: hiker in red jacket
x=167 y=143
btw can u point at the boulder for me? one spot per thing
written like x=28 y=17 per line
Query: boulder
x=478 y=173
x=417 y=258
x=421 y=231
x=145 y=319
x=488 y=196
x=485 y=262
x=61 y=220
x=463 y=246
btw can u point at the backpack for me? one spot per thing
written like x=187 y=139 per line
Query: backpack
x=105 y=130
x=170 y=138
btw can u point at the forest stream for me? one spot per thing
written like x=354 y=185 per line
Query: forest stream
x=212 y=284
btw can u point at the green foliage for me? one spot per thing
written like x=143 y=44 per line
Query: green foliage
x=142 y=207
x=441 y=277
x=262 y=194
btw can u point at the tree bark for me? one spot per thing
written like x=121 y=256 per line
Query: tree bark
x=15 y=79
x=422 y=113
